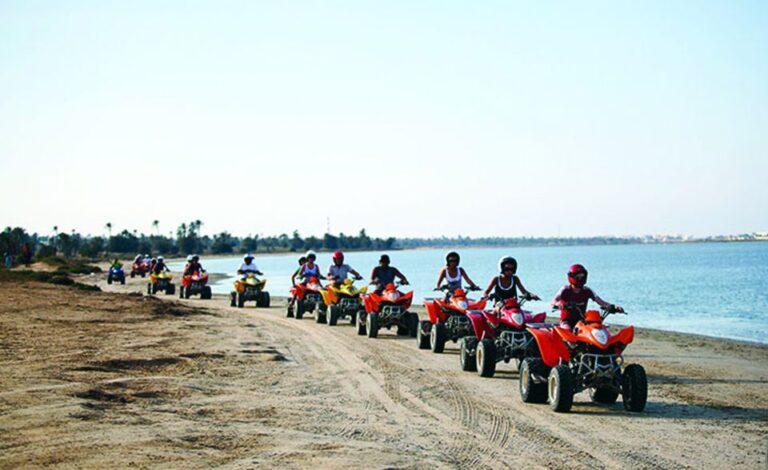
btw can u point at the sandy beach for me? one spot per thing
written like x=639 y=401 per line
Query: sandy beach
x=116 y=379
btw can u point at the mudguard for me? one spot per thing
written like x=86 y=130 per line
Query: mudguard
x=552 y=348
x=537 y=318
x=625 y=336
x=480 y=326
x=329 y=296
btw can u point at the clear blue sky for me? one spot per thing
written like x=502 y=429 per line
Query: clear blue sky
x=406 y=118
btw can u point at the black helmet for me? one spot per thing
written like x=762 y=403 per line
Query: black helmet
x=508 y=260
x=384 y=257
x=452 y=254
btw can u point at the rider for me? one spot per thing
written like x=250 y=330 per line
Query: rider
x=384 y=274
x=338 y=271
x=302 y=260
x=572 y=298
x=452 y=273
x=505 y=285
x=160 y=266
x=248 y=266
x=309 y=269
x=116 y=264
x=152 y=264
x=193 y=265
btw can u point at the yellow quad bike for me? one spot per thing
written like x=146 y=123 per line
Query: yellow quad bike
x=250 y=288
x=161 y=282
x=343 y=301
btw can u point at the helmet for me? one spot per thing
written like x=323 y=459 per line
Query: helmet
x=154 y=260
x=311 y=254
x=146 y=255
x=195 y=257
x=577 y=275
x=452 y=254
x=160 y=258
x=190 y=258
x=507 y=260
x=338 y=255
x=247 y=257
x=384 y=257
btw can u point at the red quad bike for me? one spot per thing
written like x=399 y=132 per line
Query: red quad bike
x=448 y=320
x=385 y=310
x=309 y=299
x=194 y=284
x=589 y=358
x=499 y=335
x=139 y=268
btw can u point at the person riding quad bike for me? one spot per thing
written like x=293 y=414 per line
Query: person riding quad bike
x=384 y=274
x=452 y=274
x=193 y=265
x=573 y=297
x=505 y=285
x=292 y=301
x=160 y=278
x=116 y=272
x=160 y=266
x=309 y=269
x=248 y=266
x=338 y=271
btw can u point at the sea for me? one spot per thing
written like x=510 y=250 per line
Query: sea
x=712 y=289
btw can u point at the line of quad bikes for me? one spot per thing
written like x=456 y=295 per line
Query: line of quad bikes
x=553 y=363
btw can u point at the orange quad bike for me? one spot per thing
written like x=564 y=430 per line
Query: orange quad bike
x=448 y=320
x=309 y=299
x=589 y=358
x=194 y=284
x=385 y=310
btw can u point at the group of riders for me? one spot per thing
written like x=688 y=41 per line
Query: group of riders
x=571 y=299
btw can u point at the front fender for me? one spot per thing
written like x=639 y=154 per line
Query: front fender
x=432 y=311
x=480 y=326
x=552 y=348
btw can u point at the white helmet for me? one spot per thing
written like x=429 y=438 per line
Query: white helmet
x=247 y=256
x=311 y=253
x=160 y=258
x=189 y=257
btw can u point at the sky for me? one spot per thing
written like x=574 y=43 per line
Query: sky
x=406 y=118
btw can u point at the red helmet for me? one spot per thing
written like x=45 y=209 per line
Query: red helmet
x=577 y=275
x=338 y=255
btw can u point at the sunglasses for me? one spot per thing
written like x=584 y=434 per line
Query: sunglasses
x=453 y=260
x=508 y=269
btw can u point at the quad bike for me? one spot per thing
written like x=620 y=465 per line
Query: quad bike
x=194 y=284
x=343 y=301
x=448 y=320
x=161 y=282
x=309 y=299
x=249 y=288
x=116 y=274
x=385 y=310
x=499 y=335
x=139 y=268
x=590 y=357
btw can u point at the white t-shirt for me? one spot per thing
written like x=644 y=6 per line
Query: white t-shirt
x=249 y=268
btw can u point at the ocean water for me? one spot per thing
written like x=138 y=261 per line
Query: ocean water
x=713 y=289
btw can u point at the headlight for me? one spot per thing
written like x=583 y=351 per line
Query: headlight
x=463 y=305
x=600 y=335
x=517 y=318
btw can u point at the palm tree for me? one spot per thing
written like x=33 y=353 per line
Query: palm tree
x=156 y=226
x=108 y=226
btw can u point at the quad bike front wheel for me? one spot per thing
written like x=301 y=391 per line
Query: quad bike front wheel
x=299 y=309
x=634 y=388
x=149 y=289
x=241 y=300
x=181 y=292
x=109 y=279
x=362 y=321
x=263 y=300
x=413 y=324
x=289 y=311
x=438 y=335
x=530 y=391
x=122 y=280
x=206 y=293
x=466 y=349
x=372 y=324
x=422 y=334
x=485 y=358
x=171 y=289
x=560 y=389
x=333 y=315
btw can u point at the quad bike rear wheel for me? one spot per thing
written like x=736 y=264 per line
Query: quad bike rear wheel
x=530 y=391
x=122 y=280
x=333 y=315
x=171 y=289
x=362 y=321
x=289 y=311
x=413 y=324
x=181 y=292
x=372 y=324
x=187 y=294
x=466 y=349
x=485 y=358
x=233 y=299
x=422 y=334
x=438 y=335
x=560 y=389
x=133 y=274
x=634 y=388
x=109 y=279
x=603 y=395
